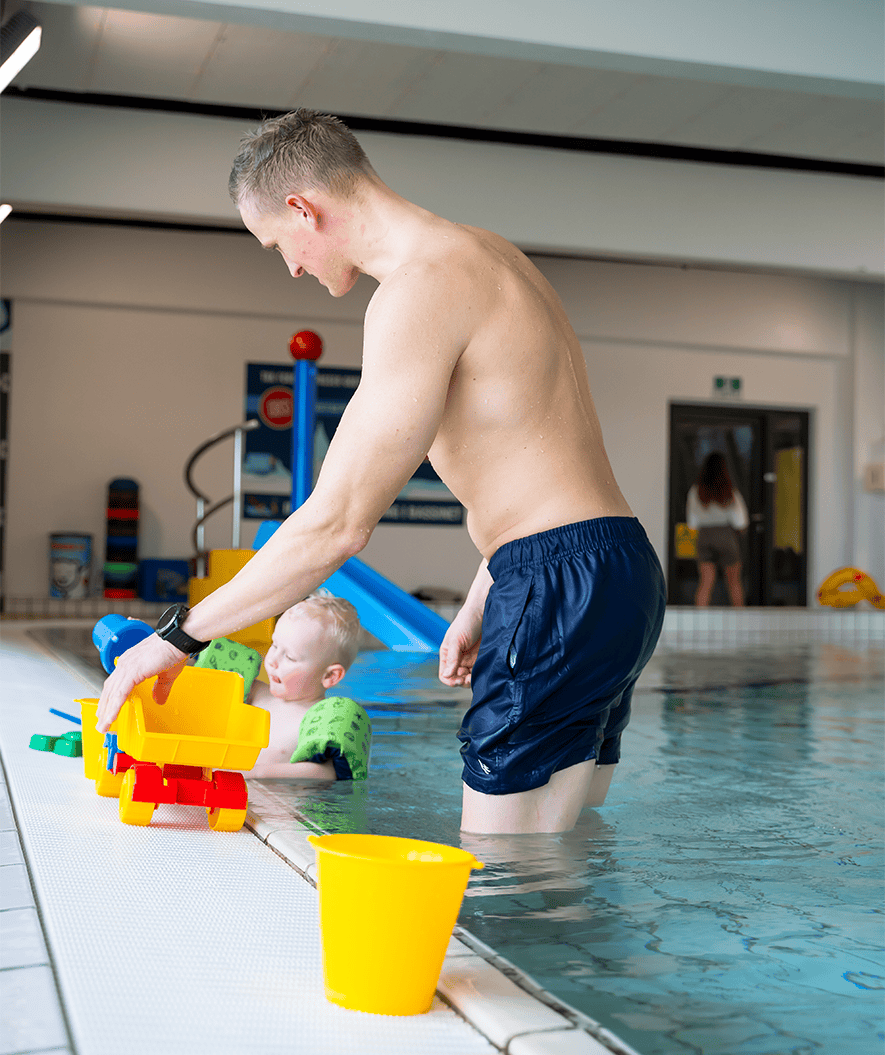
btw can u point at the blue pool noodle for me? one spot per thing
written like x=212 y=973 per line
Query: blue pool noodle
x=304 y=400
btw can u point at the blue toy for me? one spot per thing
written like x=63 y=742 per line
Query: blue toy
x=115 y=634
x=62 y=714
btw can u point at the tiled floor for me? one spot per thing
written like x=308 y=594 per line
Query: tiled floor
x=177 y=939
x=32 y=1016
x=725 y=628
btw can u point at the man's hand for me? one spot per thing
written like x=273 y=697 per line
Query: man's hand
x=148 y=657
x=460 y=646
x=459 y=649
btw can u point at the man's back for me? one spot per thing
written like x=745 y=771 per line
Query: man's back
x=519 y=442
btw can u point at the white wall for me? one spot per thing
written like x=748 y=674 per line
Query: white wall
x=90 y=160
x=129 y=347
x=656 y=335
x=868 y=441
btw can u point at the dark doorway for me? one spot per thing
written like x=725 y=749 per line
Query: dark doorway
x=767 y=455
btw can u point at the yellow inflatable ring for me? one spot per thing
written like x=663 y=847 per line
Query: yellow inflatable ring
x=861 y=587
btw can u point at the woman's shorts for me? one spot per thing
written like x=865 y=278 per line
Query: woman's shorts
x=572 y=617
x=718 y=545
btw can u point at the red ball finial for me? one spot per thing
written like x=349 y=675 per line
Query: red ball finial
x=306 y=345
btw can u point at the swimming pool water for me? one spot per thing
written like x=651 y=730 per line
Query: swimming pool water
x=728 y=899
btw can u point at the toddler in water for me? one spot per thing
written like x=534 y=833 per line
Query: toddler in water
x=314 y=643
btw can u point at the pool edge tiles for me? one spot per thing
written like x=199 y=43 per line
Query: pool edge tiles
x=498 y=977
x=498 y=999
x=246 y=951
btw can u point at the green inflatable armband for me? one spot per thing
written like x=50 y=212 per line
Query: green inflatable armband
x=338 y=730
x=224 y=654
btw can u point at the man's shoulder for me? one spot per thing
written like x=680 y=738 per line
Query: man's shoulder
x=418 y=300
x=447 y=272
x=426 y=272
x=450 y=255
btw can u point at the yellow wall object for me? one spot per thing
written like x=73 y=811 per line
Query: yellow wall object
x=860 y=587
x=788 y=500
x=223 y=566
x=686 y=542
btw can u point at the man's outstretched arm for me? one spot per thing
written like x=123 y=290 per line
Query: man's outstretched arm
x=384 y=435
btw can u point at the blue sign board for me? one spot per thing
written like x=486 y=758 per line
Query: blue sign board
x=267 y=462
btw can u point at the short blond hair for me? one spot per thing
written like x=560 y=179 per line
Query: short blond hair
x=339 y=617
x=299 y=151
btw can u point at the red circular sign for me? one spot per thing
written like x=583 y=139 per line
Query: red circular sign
x=275 y=408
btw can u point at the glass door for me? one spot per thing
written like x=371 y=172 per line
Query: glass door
x=786 y=479
x=767 y=456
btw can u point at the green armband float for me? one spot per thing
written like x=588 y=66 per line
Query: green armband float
x=337 y=730
x=224 y=654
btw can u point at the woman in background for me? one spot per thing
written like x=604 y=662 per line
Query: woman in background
x=718 y=512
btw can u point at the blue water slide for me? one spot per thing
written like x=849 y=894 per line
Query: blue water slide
x=400 y=621
x=397 y=619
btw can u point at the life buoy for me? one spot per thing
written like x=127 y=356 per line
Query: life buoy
x=861 y=587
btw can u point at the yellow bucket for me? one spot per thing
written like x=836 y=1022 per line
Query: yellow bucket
x=387 y=909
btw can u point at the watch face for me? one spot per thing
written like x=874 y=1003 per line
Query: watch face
x=171 y=618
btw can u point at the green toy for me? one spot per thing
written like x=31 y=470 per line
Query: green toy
x=71 y=744
x=224 y=654
x=338 y=730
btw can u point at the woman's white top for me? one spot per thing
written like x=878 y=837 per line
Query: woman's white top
x=713 y=515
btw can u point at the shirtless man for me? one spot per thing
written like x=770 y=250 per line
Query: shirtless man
x=468 y=358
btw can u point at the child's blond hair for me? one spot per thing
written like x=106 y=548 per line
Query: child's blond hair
x=339 y=617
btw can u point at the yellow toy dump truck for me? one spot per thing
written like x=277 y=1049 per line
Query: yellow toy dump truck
x=180 y=752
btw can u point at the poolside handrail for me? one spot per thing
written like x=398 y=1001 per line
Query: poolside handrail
x=203 y=514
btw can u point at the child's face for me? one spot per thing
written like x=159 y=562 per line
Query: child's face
x=301 y=662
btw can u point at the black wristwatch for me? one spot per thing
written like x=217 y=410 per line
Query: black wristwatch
x=169 y=629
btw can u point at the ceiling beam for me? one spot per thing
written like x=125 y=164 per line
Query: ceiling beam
x=825 y=47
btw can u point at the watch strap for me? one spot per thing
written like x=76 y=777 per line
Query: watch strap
x=169 y=629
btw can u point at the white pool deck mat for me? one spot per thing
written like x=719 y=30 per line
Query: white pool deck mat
x=178 y=939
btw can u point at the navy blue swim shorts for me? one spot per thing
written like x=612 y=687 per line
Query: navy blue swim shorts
x=572 y=617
